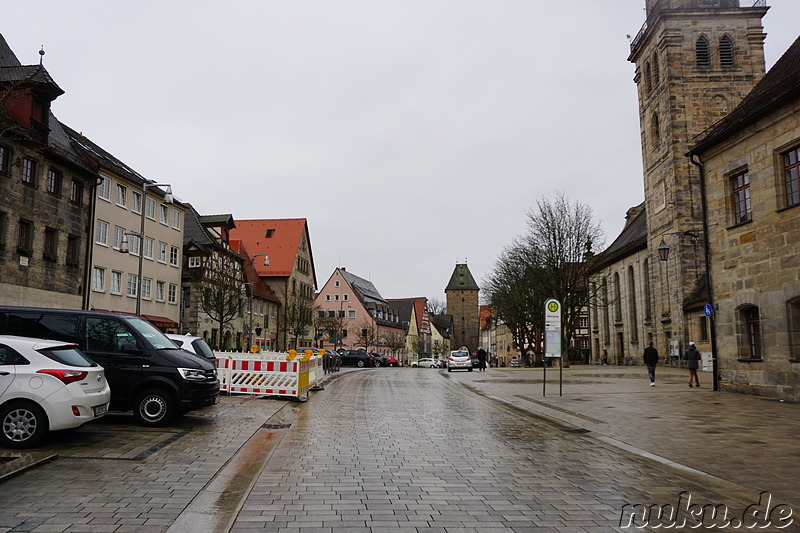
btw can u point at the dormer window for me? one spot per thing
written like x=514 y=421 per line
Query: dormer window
x=269 y=233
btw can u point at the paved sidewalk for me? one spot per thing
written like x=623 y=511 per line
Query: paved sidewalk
x=746 y=440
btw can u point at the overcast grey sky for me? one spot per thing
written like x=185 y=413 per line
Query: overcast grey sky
x=411 y=134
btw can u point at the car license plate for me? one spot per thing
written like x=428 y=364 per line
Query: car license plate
x=100 y=410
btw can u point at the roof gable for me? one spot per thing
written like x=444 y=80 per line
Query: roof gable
x=279 y=239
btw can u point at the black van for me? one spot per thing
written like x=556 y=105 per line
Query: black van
x=147 y=373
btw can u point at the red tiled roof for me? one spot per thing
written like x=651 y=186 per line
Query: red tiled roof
x=281 y=246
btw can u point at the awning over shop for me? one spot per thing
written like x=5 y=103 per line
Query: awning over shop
x=161 y=321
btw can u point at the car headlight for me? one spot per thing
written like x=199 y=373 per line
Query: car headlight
x=192 y=374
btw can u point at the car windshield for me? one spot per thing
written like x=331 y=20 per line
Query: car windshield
x=68 y=355
x=151 y=334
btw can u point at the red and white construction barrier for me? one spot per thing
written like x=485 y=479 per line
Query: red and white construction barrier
x=268 y=373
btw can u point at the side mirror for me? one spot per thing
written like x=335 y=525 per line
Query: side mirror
x=130 y=348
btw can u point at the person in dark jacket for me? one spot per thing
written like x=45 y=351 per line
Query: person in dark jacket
x=651 y=360
x=692 y=358
x=481 y=359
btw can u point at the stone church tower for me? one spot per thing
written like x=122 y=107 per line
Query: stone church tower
x=463 y=306
x=695 y=61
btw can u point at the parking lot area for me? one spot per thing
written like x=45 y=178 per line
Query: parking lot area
x=112 y=470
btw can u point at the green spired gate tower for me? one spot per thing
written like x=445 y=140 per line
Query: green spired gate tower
x=463 y=306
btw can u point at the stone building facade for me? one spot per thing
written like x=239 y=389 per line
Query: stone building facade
x=695 y=61
x=462 y=304
x=750 y=164
x=46 y=200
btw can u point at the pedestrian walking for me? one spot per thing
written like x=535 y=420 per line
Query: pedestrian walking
x=605 y=357
x=481 y=359
x=692 y=358
x=651 y=360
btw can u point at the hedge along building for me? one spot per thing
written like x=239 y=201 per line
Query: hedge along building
x=695 y=61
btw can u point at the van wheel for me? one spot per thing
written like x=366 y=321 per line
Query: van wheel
x=154 y=408
x=24 y=424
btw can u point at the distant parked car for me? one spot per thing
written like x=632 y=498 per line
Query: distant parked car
x=459 y=360
x=196 y=345
x=357 y=358
x=380 y=359
x=516 y=363
x=393 y=360
x=476 y=363
x=425 y=362
x=331 y=360
x=46 y=386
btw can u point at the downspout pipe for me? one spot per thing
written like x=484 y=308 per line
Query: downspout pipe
x=707 y=250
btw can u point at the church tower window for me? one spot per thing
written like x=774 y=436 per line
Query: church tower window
x=726 y=51
x=702 y=54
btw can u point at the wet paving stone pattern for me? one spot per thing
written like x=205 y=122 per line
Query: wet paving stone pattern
x=378 y=450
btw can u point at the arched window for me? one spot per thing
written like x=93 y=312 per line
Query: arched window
x=750 y=344
x=648 y=78
x=648 y=304
x=726 y=51
x=617 y=298
x=793 y=315
x=656 y=74
x=632 y=305
x=655 y=128
x=702 y=54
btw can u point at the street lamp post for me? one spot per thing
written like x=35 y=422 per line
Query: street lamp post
x=123 y=247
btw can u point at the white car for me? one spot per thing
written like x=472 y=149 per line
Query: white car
x=459 y=359
x=425 y=362
x=46 y=386
x=196 y=345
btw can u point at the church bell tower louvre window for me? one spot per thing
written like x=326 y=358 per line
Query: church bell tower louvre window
x=726 y=51
x=702 y=52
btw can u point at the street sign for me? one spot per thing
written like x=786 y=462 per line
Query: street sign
x=552 y=328
x=707 y=309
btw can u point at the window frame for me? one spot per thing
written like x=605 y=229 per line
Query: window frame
x=55 y=179
x=742 y=208
x=76 y=192
x=29 y=170
x=122 y=196
x=104 y=189
x=98 y=279
x=101 y=233
x=791 y=177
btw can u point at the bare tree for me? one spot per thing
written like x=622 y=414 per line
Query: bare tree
x=552 y=260
x=221 y=289
x=367 y=333
x=437 y=306
x=299 y=316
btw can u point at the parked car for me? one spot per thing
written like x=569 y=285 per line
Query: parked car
x=196 y=345
x=331 y=360
x=515 y=363
x=46 y=386
x=380 y=359
x=459 y=360
x=393 y=360
x=147 y=373
x=357 y=358
x=476 y=363
x=425 y=362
